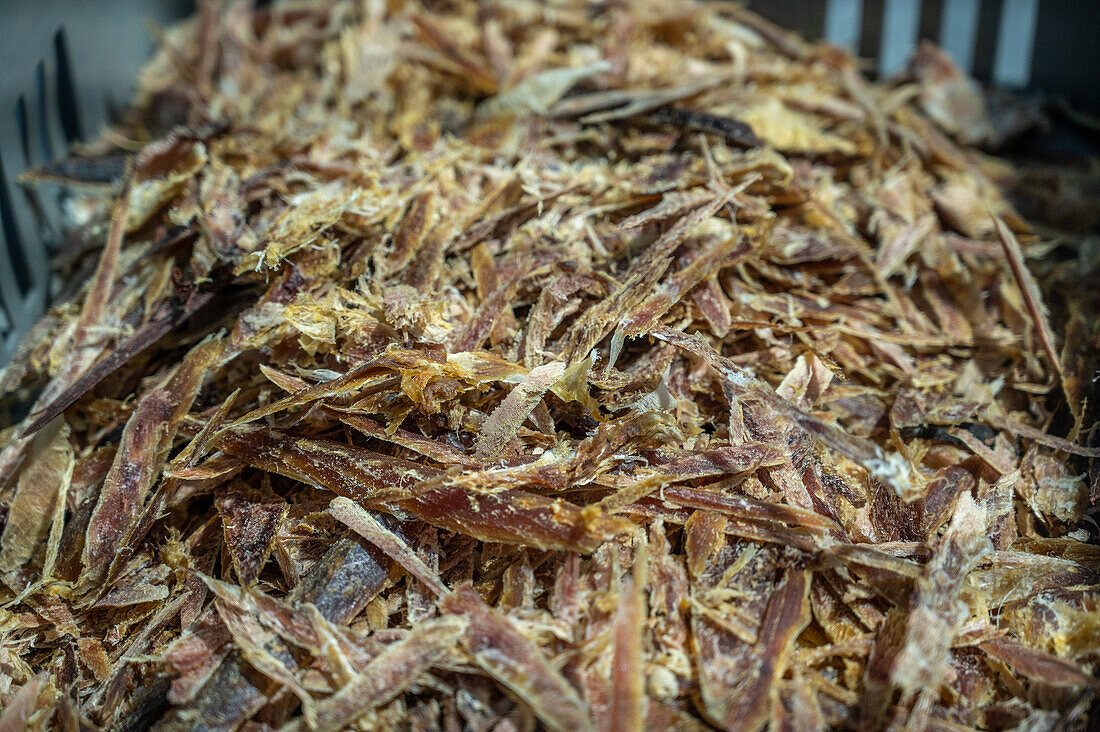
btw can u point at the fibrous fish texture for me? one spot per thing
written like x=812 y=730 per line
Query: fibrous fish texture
x=552 y=365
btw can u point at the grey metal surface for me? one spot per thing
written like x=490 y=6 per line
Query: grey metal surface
x=1036 y=45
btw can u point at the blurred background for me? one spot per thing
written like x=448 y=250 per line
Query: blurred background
x=68 y=67
x=1037 y=46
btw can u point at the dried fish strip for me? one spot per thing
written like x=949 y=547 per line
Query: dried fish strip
x=514 y=365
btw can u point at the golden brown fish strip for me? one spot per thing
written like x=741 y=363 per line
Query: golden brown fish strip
x=1037 y=435
x=748 y=508
x=348 y=381
x=388 y=483
x=418 y=443
x=129 y=480
x=628 y=699
x=755 y=530
x=516 y=517
x=878 y=688
x=410 y=234
x=1038 y=665
x=180 y=392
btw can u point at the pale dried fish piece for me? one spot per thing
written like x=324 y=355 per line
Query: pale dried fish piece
x=138 y=589
x=387 y=675
x=674 y=288
x=630 y=103
x=951 y=98
x=347 y=578
x=782 y=127
x=645 y=270
x=888 y=466
x=159 y=172
x=937 y=612
x=1029 y=288
x=40 y=494
x=304 y=627
x=538 y=93
x=196 y=654
x=498 y=647
x=505 y=420
x=17 y=713
x=257 y=647
x=371 y=529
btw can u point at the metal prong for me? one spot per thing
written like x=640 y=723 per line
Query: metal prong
x=900 y=23
x=843 y=22
x=14 y=246
x=959 y=31
x=22 y=123
x=44 y=142
x=1015 y=43
x=68 y=109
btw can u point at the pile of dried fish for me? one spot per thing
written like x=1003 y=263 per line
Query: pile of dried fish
x=569 y=365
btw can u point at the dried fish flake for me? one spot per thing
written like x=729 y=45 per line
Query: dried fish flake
x=514 y=365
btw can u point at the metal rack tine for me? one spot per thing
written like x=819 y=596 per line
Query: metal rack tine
x=45 y=141
x=68 y=109
x=22 y=123
x=843 y=19
x=959 y=31
x=15 y=277
x=900 y=26
x=1015 y=43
